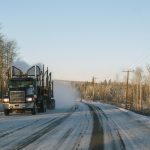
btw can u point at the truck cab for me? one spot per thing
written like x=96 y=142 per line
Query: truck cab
x=22 y=94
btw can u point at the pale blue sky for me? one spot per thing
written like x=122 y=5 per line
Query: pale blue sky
x=81 y=38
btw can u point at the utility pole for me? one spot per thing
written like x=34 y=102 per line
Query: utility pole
x=93 y=86
x=93 y=83
x=128 y=71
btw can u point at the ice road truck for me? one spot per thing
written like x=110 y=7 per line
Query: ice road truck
x=32 y=91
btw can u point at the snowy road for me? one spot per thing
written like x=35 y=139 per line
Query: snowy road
x=94 y=126
x=122 y=129
x=51 y=131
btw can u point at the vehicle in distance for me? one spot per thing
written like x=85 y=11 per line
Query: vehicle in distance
x=32 y=91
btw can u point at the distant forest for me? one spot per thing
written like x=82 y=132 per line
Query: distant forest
x=135 y=98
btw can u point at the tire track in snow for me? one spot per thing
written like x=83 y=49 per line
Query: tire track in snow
x=12 y=141
x=83 y=128
x=122 y=144
x=30 y=139
x=97 y=139
x=74 y=133
x=6 y=133
x=65 y=136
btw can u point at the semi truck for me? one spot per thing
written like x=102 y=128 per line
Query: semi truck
x=30 y=91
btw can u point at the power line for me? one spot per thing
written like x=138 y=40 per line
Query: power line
x=140 y=59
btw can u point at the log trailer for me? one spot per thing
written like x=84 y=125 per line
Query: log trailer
x=32 y=91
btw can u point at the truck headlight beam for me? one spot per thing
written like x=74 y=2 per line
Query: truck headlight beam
x=6 y=100
x=29 y=99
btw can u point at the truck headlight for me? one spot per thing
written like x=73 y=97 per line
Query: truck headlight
x=6 y=100
x=29 y=99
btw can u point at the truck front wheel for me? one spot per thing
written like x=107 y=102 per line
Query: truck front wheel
x=53 y=105
x=43 y=107
x=6 y=112
x=33 y=111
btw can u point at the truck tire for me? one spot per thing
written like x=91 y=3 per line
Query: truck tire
x=53 y=104
x=33 y=111
x=53 y=107
x=43 y=108
x=6 y=112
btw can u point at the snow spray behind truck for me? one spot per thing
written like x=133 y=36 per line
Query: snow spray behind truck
x=32 y=91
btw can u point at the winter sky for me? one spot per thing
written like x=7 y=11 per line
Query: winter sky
x=79 y=39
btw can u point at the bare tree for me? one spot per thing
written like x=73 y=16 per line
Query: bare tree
x=148 y=69
x=7 y=54
x=138 y=79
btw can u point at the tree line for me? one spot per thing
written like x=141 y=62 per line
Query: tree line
x=115 y=92
x=8 y=52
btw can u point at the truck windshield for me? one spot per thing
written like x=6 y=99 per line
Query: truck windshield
x=20 y=84
x=30 y=91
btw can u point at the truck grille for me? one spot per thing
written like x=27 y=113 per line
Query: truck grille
x=17 y=96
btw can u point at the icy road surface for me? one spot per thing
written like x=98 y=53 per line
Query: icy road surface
x=50 y=131
x=91 y=126
x=122 y=129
